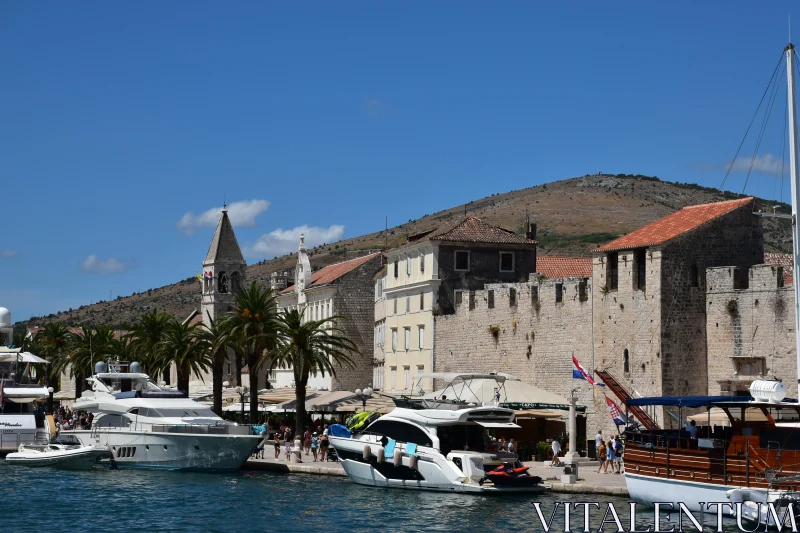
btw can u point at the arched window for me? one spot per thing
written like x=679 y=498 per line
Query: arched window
x=626 y=362
x=695 y=276
x=222 y=283
x=236 y=282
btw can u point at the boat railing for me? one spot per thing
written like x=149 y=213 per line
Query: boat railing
x=674 y=439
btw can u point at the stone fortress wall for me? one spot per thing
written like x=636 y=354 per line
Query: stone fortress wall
x=524 y=330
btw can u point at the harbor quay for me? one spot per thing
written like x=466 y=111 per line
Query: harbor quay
x=589 y=481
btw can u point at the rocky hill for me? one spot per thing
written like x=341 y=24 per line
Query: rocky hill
x=574 y=216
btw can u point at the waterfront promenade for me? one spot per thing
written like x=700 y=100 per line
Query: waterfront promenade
x=590 y=481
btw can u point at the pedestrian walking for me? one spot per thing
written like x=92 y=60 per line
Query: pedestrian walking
x=556 y=447
x=323 y=446
x=601 y=457
x=314 y=445
x=307 y=441
x=610 y=461
x=618 y=454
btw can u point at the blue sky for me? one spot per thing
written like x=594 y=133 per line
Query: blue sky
x=122 y=125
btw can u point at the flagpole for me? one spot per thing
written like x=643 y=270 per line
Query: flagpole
x=572 y=455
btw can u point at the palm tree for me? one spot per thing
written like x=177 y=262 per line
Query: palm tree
x=179 y=345
x=86 y=348
x=54 y=340
x=316 y=346
x=145 y=334
x=122 y=348
x=215 y=340
x=254 y=323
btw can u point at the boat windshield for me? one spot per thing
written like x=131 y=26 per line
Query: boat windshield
x=127 y=384
x=178 y=413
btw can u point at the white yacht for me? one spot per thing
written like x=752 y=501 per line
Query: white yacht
x=18 y=422
x=146 y=426
x=435 y=449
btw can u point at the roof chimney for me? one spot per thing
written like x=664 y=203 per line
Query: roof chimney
x=530 y=233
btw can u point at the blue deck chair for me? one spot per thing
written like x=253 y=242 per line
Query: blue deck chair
x=388 y=451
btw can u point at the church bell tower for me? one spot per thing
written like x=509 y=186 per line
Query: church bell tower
x=224 y=271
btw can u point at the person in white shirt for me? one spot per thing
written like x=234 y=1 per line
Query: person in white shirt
x=556 y=446
x=598 y=440
x=692 y=429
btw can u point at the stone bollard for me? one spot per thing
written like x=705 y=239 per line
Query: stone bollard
x=569 y=475
x=296 y=455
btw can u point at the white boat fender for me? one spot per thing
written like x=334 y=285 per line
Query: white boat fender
x=412 y=462
x=381 y=455
x=398 y=458
x=367 y=452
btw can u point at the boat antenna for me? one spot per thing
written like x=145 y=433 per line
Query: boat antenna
x=795 y=172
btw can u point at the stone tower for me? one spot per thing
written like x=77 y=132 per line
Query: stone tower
x=302 y=274
x=224 y=271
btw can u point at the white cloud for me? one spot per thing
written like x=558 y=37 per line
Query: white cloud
x=768 y=163
x=8 y=254
x=284 y=241
x=242 y=214
x=110 y=266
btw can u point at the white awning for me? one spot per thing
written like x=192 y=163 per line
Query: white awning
x=22 y=357
x=28 y=393
x=507 y=425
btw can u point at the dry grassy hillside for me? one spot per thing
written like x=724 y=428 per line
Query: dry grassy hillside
x=574 y=216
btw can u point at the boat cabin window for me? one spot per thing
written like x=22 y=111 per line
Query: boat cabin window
x=13 y=408
x=181 y=413
x=461 y=437
x=112 y=421
x=400 y=431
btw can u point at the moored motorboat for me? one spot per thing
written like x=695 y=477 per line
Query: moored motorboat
x=146 y=426
x=58 y=455
x=435 y=449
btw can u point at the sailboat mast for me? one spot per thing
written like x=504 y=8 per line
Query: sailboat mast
x=795 y=199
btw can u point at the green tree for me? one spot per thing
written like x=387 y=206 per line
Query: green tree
x=253 y=322
x=146 y=333
x=85 y=349
x=53 y=341
x=180 y=345
x=215 y=340
x=313 y=347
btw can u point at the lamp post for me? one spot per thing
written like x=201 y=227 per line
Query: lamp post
x=50 y=391
x=364 y=395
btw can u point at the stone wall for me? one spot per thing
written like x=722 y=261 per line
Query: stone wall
x=534 y=341
x=750 y=332
x=354 y=300
x=484 y=267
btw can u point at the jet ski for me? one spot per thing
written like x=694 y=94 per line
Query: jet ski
x=506 y=475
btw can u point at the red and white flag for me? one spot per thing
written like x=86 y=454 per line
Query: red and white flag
x=616 y=414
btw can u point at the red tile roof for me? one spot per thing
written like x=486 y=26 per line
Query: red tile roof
x=784 y=260
x=671 y=226
x=473 y=229
x=564 y=267
x=331 y=273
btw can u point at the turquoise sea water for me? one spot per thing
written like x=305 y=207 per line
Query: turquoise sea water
x=104 y=500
